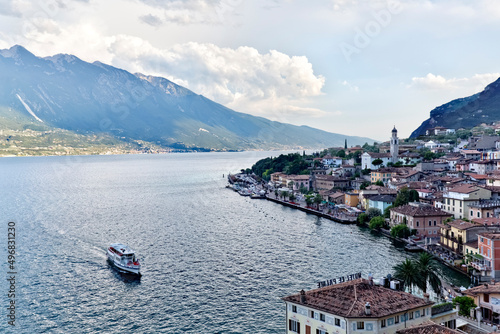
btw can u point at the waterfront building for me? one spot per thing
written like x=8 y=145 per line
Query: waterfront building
x=458 y=199
x=352 y=198
x=328 y=182
x=487 y=298
x=425 y=219
x=381 y=202
x=455 y=235
x=299 y=181
x=489 y=249
x=356 y=306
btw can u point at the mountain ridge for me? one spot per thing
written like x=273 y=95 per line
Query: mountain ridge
x=466 y=112
x=68 y=93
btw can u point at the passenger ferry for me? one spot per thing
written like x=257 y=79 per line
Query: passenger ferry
x=123 y=257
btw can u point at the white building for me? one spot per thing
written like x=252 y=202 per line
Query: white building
x=355 y=306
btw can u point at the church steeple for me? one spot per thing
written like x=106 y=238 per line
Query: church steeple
x=394 y=145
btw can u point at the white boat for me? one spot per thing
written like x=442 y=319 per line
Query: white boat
x=123 y=257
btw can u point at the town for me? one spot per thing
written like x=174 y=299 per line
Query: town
x=439 y=193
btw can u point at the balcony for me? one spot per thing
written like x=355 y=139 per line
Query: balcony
x=480 y=266
x=493 y=307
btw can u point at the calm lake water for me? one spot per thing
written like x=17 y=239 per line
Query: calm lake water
x=213 y=261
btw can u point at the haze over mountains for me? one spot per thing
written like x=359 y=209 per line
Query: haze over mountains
x=467 y=112
x=65 y=92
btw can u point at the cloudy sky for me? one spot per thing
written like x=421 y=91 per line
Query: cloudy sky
x=355 y=67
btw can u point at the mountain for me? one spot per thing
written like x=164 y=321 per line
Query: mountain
x=64 y=92
x=467 y=112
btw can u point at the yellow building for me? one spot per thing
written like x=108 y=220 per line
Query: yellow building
x=455 y=235
x=352 y=199
x=382 y=174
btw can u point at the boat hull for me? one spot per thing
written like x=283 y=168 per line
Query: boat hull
x=123 y=267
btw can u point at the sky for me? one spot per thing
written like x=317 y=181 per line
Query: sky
x=354 y=67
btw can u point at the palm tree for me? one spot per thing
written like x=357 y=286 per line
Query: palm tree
x=427 y=268
x=408 y=273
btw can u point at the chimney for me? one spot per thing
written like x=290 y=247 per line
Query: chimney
x=302 y=296
x=368 y=311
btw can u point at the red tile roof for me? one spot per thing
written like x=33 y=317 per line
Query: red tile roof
x=349 y=299
x=427 y=328
x=420 y=211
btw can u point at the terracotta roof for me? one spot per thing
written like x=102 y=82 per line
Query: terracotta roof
x=427 y=328
x=484 y=288
x=420 y=211
x=487 y=221
x=473 y=244
x=349 y=299
x=464 y=189
x=462 y=225
x=491 y=236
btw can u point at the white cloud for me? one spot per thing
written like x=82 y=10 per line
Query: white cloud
x=195 y=11
x=470 y=85
x=242 y=78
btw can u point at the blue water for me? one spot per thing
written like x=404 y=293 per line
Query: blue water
x=213 y=261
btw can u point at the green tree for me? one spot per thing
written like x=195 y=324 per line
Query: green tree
x=341 y=154
x=309 y=200
x=276 y=193
x=376 y=223
x=317 y=200
x=377 y=162
x=303 y=189
x=292 y=197
x=465 y=303
x=379 y=183
x=372 y=213
x=387 y=211
x=400 y=231
x=364 y=185
x=426 y=265
x=406 y=196
x=290 y=184
x=407 y=273
x=362 y=218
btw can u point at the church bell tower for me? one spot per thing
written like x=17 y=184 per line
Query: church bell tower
x=394 y=146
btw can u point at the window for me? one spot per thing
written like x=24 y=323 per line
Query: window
x=360 y=325
x=481 y=239
x=486 y=298
x=294 y=326
x=472 y=213
x=487 y=215
x=396 y=319
x=478 y=214
x=383 y=323
x=321 y=331
x=311 y=314
x=294 y=308
x=337 y=322
x=435 y=223
x=430 y=223
x=417 y=223
x=411 y=315
x=321 y=317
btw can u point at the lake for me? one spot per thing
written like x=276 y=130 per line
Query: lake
x=212 y=261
